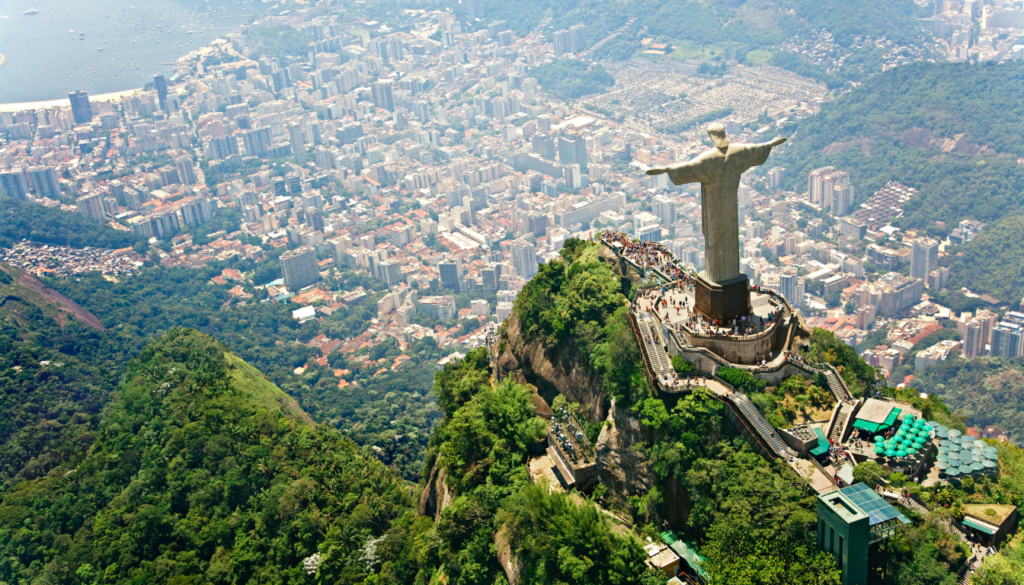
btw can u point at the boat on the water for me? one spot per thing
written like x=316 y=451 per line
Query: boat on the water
x=31 y=11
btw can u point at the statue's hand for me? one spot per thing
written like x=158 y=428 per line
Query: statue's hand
x=777 y=141
x=657 y=171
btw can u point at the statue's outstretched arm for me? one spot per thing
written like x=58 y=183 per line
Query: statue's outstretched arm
x=684 y=172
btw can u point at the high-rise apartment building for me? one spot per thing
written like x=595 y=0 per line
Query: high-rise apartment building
x=665 y=209
x=299 y=268
x=524 y=258
x=382 y=95
x=924 y=257
x=197 y=212
x=186 y=170
x=573 y=150
x=1007 y=340
x=815 y=185
x=776 y=177
x=91 y=205
x=441 y=308
x=451 y=275
x=13 y=184
x=81 y=111
x=298 y=143
x=842 y=199
x=161 y=90
x=44 y=181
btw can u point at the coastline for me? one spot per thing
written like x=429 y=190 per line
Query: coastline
x=106 y=97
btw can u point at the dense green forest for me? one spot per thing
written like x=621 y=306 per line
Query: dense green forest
x=570 y=79
x=481 y=446
x=993 y=262
x=730 y=30
x=984 y=391
x=203 y=471
x=47 y=225
x=373 y=411
x=896 y=127
x=578 y=301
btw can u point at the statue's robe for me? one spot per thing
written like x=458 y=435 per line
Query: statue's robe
x=718 y=171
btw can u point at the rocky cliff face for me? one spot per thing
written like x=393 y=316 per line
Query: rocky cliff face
x=436 y=495
x=621 y=468
x=553 y=371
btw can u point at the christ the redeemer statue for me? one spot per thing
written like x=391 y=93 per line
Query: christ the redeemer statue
x=718 y=171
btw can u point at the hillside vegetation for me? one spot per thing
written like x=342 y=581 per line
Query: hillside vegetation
x=724 y=30
x=202 y=471
x=20 y=220
x=993 y=262
x=570 y=79
x=984 y=391
x=950 y=130
x=578 y=300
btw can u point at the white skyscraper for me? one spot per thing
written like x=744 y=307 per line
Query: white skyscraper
x=524 y=258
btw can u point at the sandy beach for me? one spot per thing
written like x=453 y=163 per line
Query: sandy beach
x=106 y=97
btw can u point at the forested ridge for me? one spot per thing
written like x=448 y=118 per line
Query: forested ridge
x=730 y=30
x=993 y=263
x=952 y=131
x=20 y=220
x=202 y=471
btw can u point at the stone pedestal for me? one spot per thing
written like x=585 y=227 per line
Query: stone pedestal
x=722 y=300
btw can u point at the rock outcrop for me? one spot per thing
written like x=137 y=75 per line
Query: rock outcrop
x=436 y=495
x=620 y=467
x=553 y=371
x=506 y=557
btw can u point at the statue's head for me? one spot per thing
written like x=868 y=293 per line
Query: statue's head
x=717 y=133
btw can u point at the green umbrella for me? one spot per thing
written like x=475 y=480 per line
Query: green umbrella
x=901 y=453
x=890 y=453
x=879 y=438
x=942 y=429
x=989 y=449
x=942 y=459
x=918 y=445
x=924 y=434
x=911 y=451
x=989 y=464
x=879 y=450
x=941 y=465
x=933 y=424
x=953 y=471
x=980 y=444
x=992 y=456
x=954 y=433
x=941 y=434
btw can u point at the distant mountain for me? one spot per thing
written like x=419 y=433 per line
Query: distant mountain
x=950 y=130
x=202 y=471
x=993 y=263
x=984 y=391
x=726 y=29
x=51 y=398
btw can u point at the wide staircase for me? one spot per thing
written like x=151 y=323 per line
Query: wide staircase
x=660 y=362
x=759 y=425
x=837 y=385
x=839 y=422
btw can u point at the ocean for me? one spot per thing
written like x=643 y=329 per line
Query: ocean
x=103 y=46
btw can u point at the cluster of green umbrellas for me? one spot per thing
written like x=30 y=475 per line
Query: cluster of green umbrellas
x=911 y=436
x=959 y=455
